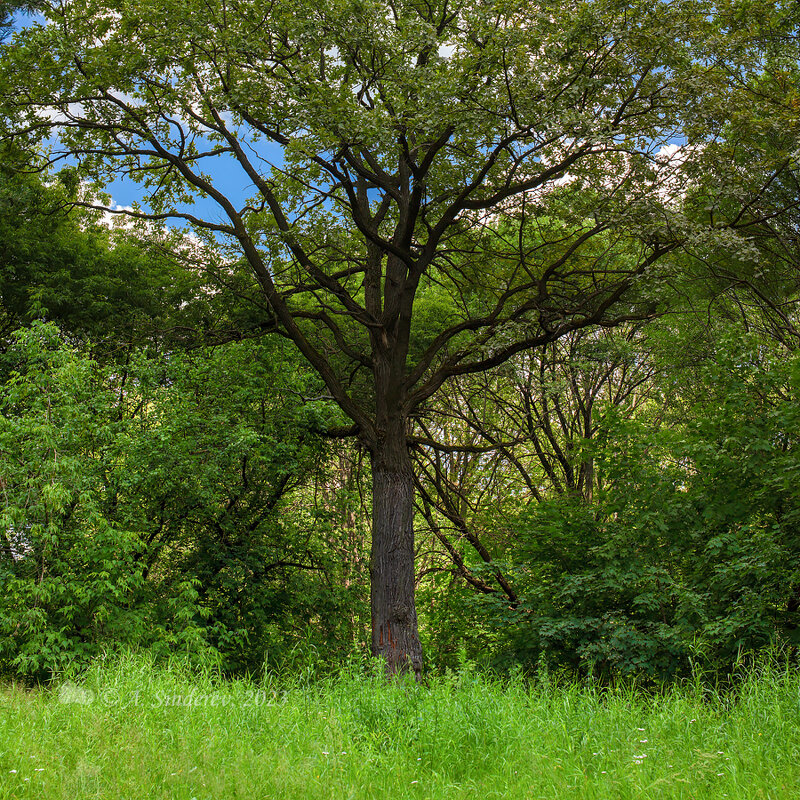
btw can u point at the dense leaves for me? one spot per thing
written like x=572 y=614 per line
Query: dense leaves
x=688 y=551
x=155 y=507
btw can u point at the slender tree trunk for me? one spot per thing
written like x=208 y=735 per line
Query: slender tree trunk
x=792 y=607
x=395 y=636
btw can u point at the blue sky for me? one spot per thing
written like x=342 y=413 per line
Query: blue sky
x=226 y=174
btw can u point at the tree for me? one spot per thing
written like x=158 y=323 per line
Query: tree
x=518 y=436
x=117 y=285
x=437 y=186
x=164 y=506
x=690 y=548
x=112 y=286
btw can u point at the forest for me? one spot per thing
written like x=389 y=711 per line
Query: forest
x=441 y=332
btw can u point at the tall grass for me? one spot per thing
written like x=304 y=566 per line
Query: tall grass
x=130 y=730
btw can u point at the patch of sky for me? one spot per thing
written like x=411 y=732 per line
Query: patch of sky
x=225 y=173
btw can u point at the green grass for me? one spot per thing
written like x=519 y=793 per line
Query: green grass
x=165 y=733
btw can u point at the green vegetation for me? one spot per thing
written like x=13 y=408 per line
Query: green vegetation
x=427 y=202
x=460 y=335
x=140 y=510
x=129 y=730
x=456 y=341
x=187 y=503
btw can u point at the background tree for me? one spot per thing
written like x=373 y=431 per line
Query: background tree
x=167 y=507
x=385 y=143
x=119 y=286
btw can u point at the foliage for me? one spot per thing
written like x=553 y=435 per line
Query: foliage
x=118 y=284
x=140 y=509
x=686 y=555
x=452 y=206
x=421 y=190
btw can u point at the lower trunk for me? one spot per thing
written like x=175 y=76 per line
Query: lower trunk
x=395 y=637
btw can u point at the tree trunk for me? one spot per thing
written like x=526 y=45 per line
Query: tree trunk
x=395 y=637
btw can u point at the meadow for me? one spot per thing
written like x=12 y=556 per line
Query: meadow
x=129 y=730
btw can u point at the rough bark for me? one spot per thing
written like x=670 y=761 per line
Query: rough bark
x=395 y=636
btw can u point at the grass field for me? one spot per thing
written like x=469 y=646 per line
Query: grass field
x=129 y=731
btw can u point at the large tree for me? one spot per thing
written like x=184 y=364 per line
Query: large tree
x=425 y=187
